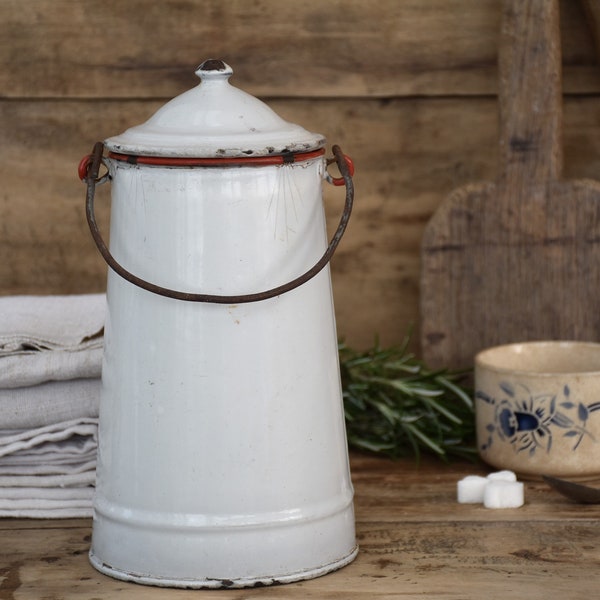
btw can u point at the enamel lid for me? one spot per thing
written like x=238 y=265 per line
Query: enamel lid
x=214 y=119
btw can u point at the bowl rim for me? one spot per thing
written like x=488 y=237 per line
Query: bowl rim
x=482 y=362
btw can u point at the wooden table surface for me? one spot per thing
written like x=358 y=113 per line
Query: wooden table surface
x=415 y=541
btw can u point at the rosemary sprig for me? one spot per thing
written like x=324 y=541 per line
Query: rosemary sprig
x=395 y=405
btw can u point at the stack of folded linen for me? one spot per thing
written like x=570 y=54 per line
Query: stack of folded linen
x=50 y=367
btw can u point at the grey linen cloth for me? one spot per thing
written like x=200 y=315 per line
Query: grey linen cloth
x=46 y=338
x=50 y=367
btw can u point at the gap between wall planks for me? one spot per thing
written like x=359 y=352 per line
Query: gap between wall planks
x=406 y=87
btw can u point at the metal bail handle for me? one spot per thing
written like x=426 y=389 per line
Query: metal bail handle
x=89 y=169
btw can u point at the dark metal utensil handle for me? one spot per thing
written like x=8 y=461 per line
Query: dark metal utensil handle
x=89 y=169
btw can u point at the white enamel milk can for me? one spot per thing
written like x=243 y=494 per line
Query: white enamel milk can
x=222 y=449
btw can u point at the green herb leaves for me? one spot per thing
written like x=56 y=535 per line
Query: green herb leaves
x=394 y=405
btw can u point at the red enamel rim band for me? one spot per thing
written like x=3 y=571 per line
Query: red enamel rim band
x=171 y=161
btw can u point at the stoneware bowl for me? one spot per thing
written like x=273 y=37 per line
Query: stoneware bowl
x=538 y=408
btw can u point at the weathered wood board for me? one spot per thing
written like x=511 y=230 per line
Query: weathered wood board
x=415 y=541
x=516 y=259
x=407 y=88
x=408 y=155
x=45 y=246
x=340 y=48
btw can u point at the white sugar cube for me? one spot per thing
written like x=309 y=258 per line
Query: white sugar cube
x=502 y=476
x=470 y=489
x=503 y=494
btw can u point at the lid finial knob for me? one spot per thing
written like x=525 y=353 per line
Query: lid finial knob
x=213 y=68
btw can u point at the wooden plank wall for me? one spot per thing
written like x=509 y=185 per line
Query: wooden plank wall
x=406 y=87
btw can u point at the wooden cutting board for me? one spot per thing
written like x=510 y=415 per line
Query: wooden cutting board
x=519 y=258
x=592 y=11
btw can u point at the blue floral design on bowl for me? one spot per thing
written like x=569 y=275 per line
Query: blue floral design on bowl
x=530 y=421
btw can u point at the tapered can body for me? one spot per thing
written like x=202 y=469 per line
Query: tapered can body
x=222 y=449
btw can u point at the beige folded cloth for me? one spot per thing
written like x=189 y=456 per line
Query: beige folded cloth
x=51 y=402
x=50 y=322
x=48 y=471
x=46 y=502
x=47 y=338
x=84 y=478
x=59 y=512
x=50 y=366
x=71 y=442
x=24 y=369
x=55 y=470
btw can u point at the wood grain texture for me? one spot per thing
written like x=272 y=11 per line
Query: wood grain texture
x=415 y=540
x=45 y=246
x=518 y=259
x=397 y=83
x=142 y=49
x=408 y=154
x=592 y=13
